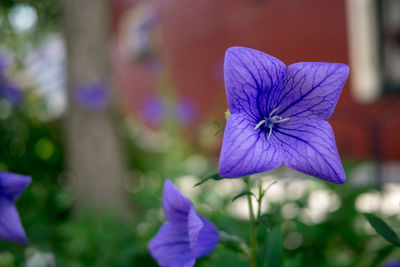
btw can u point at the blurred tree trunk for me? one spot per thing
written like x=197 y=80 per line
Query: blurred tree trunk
x=96 y=167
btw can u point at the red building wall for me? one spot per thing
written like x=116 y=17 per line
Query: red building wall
x=194 y=35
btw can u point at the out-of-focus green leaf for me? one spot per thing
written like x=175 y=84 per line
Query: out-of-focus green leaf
x=273 y=247
x=383 y=229
x=215 y=177
x=382 y=254
x=7 y=259
x=266 y=221
x=244 y=193
x=296 y=261
x=234 y=243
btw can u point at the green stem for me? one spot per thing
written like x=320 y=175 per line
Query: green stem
x=253 y=226
x=259 y=200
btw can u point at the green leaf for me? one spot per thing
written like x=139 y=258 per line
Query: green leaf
x=381 y=254
x=234 y=243
x=7 y=259
x=269 y=186
x=244 y=193
x=296 y=261
x=267 y=222
x=221 y=128
x=273 y=248
x=383 y=229
x=214 y=176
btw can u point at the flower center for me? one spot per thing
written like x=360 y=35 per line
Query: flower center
x=271 y=121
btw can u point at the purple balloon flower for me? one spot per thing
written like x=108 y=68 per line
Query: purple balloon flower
x=11 y=187
x=279 y=115
x=186 y=236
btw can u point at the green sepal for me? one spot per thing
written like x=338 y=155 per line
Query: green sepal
x=214 y=176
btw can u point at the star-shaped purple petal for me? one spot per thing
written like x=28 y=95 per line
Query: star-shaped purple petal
x=311 y=89
x=11 y=187
x=186 y=236
x=279 y=115
x=248 y=151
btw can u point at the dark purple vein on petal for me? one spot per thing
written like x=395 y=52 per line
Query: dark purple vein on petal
x=310 y=91
x=316 y=150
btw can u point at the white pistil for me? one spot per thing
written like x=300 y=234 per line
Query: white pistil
x=270 y=121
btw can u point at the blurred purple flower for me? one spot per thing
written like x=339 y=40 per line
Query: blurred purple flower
x=154 y=66
x=392 y=264
x=8 y=90
x=186 y=236
x=11 y=93
x=3 y=64
x=185 y=111
x=92 y=95
x=142 y=35
x=154 y=110
x=11 y=187
x=218 y=70
x=279 y=115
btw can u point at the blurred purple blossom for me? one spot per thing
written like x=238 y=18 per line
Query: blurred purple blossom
x=186 y=236
x=45 y=66
x=279 y=115
x=392 y=264
x=142 y=40
x=149 y=21
x=92 y=95
x=11 y=93
x=218 y=70
x=3 y=64
x=8 y=90
x=154 y=66
x=11 y=187
x=154 y=110
x=185 y=111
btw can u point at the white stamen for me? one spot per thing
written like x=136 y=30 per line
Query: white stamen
x=259 y=124
x=283 y=120
x=273 y=111
x=270 y=121
x=270 y=132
